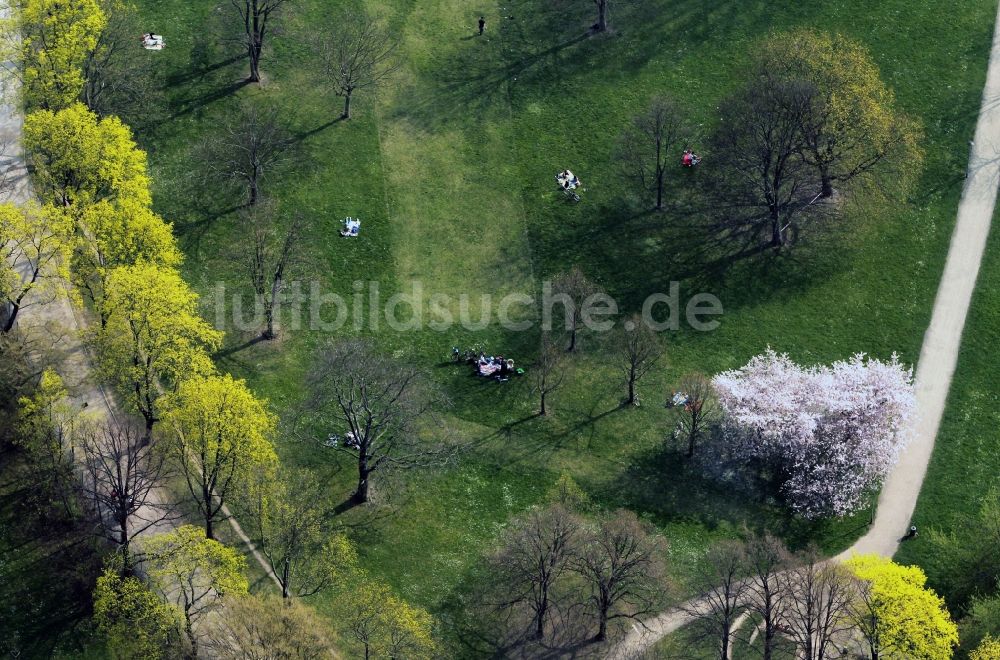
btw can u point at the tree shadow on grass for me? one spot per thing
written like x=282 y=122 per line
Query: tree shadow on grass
x=618 y=242
x=200 y=68
x=663 y=483
x=186 y=106
x=479 y=627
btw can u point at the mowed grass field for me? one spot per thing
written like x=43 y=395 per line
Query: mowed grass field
x=450 y=167
x=966 y=461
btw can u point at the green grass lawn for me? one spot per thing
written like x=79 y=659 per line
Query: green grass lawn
x=450 y=167
x=966 y=460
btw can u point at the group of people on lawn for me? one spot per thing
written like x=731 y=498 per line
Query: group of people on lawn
x=494 y=366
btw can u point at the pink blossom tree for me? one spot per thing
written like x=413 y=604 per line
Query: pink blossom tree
x=835 y=431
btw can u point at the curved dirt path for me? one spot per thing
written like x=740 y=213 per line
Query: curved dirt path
x=938 y=355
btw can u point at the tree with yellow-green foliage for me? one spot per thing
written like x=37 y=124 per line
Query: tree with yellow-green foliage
x=290 y=513
x=219 y=434
x=80 y=159
x=45 y=424
x=35 y=244
x=897 y=614
x=383 y=625
x=57 y=38
x=120 y=233
x=262 y=627
x=151 y=336
x=851 y=123
x=195 y=572
x=988 y=649
x=136 y=622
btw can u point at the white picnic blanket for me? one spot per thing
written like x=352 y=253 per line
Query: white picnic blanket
x=351 y=227
x=153 y=42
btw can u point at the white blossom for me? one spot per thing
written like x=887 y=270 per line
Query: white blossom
x=835 y=431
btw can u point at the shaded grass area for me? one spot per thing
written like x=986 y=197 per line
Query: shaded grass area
x=688 y=644
x=450 y=169
x=48 y=568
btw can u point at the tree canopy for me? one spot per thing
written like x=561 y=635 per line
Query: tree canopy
x=121 y=233
x=898 y=614
x=80 y=158
x=57 y=38
x=194 y=571
x=219 y=433
x=835 y=431
x=136 y=622
x=382 y=624
x=851 y=123
x=151 y=335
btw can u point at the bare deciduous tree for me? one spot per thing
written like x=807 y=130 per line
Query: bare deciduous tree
x=548 y=374
x=265 y=256
x=638 y=350
x=574 y=291
x=620 y=560
x=650 y=144
x=122 y=471
x=721 y=580
x=256 y=16
x=357 y=53
x=765 y=188
x=697 y=410
x=766 y=557
x=377 y=404
x=246 y=148
x=536 y=552
x=818 y=606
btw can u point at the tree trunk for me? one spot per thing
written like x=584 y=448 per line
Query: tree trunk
x=541 y=410
x=254 y=189
x=9 y=324
x=602 y=15
x=150 y=422
x=206 y=494
x=691 y=438
x=284 y=579
x=572 y=337
x=347 y=106
x=659 y=188
x=361 y=494
x=602 y=625
x=827 y=189
x=724 y=651
x=540 y=619
x=192 y=640
x=776 y=239
x=269 y=332
x=631 y=388
x=768 y=641
x=254 y=50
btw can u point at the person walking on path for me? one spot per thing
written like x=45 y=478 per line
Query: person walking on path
x=482 y=25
